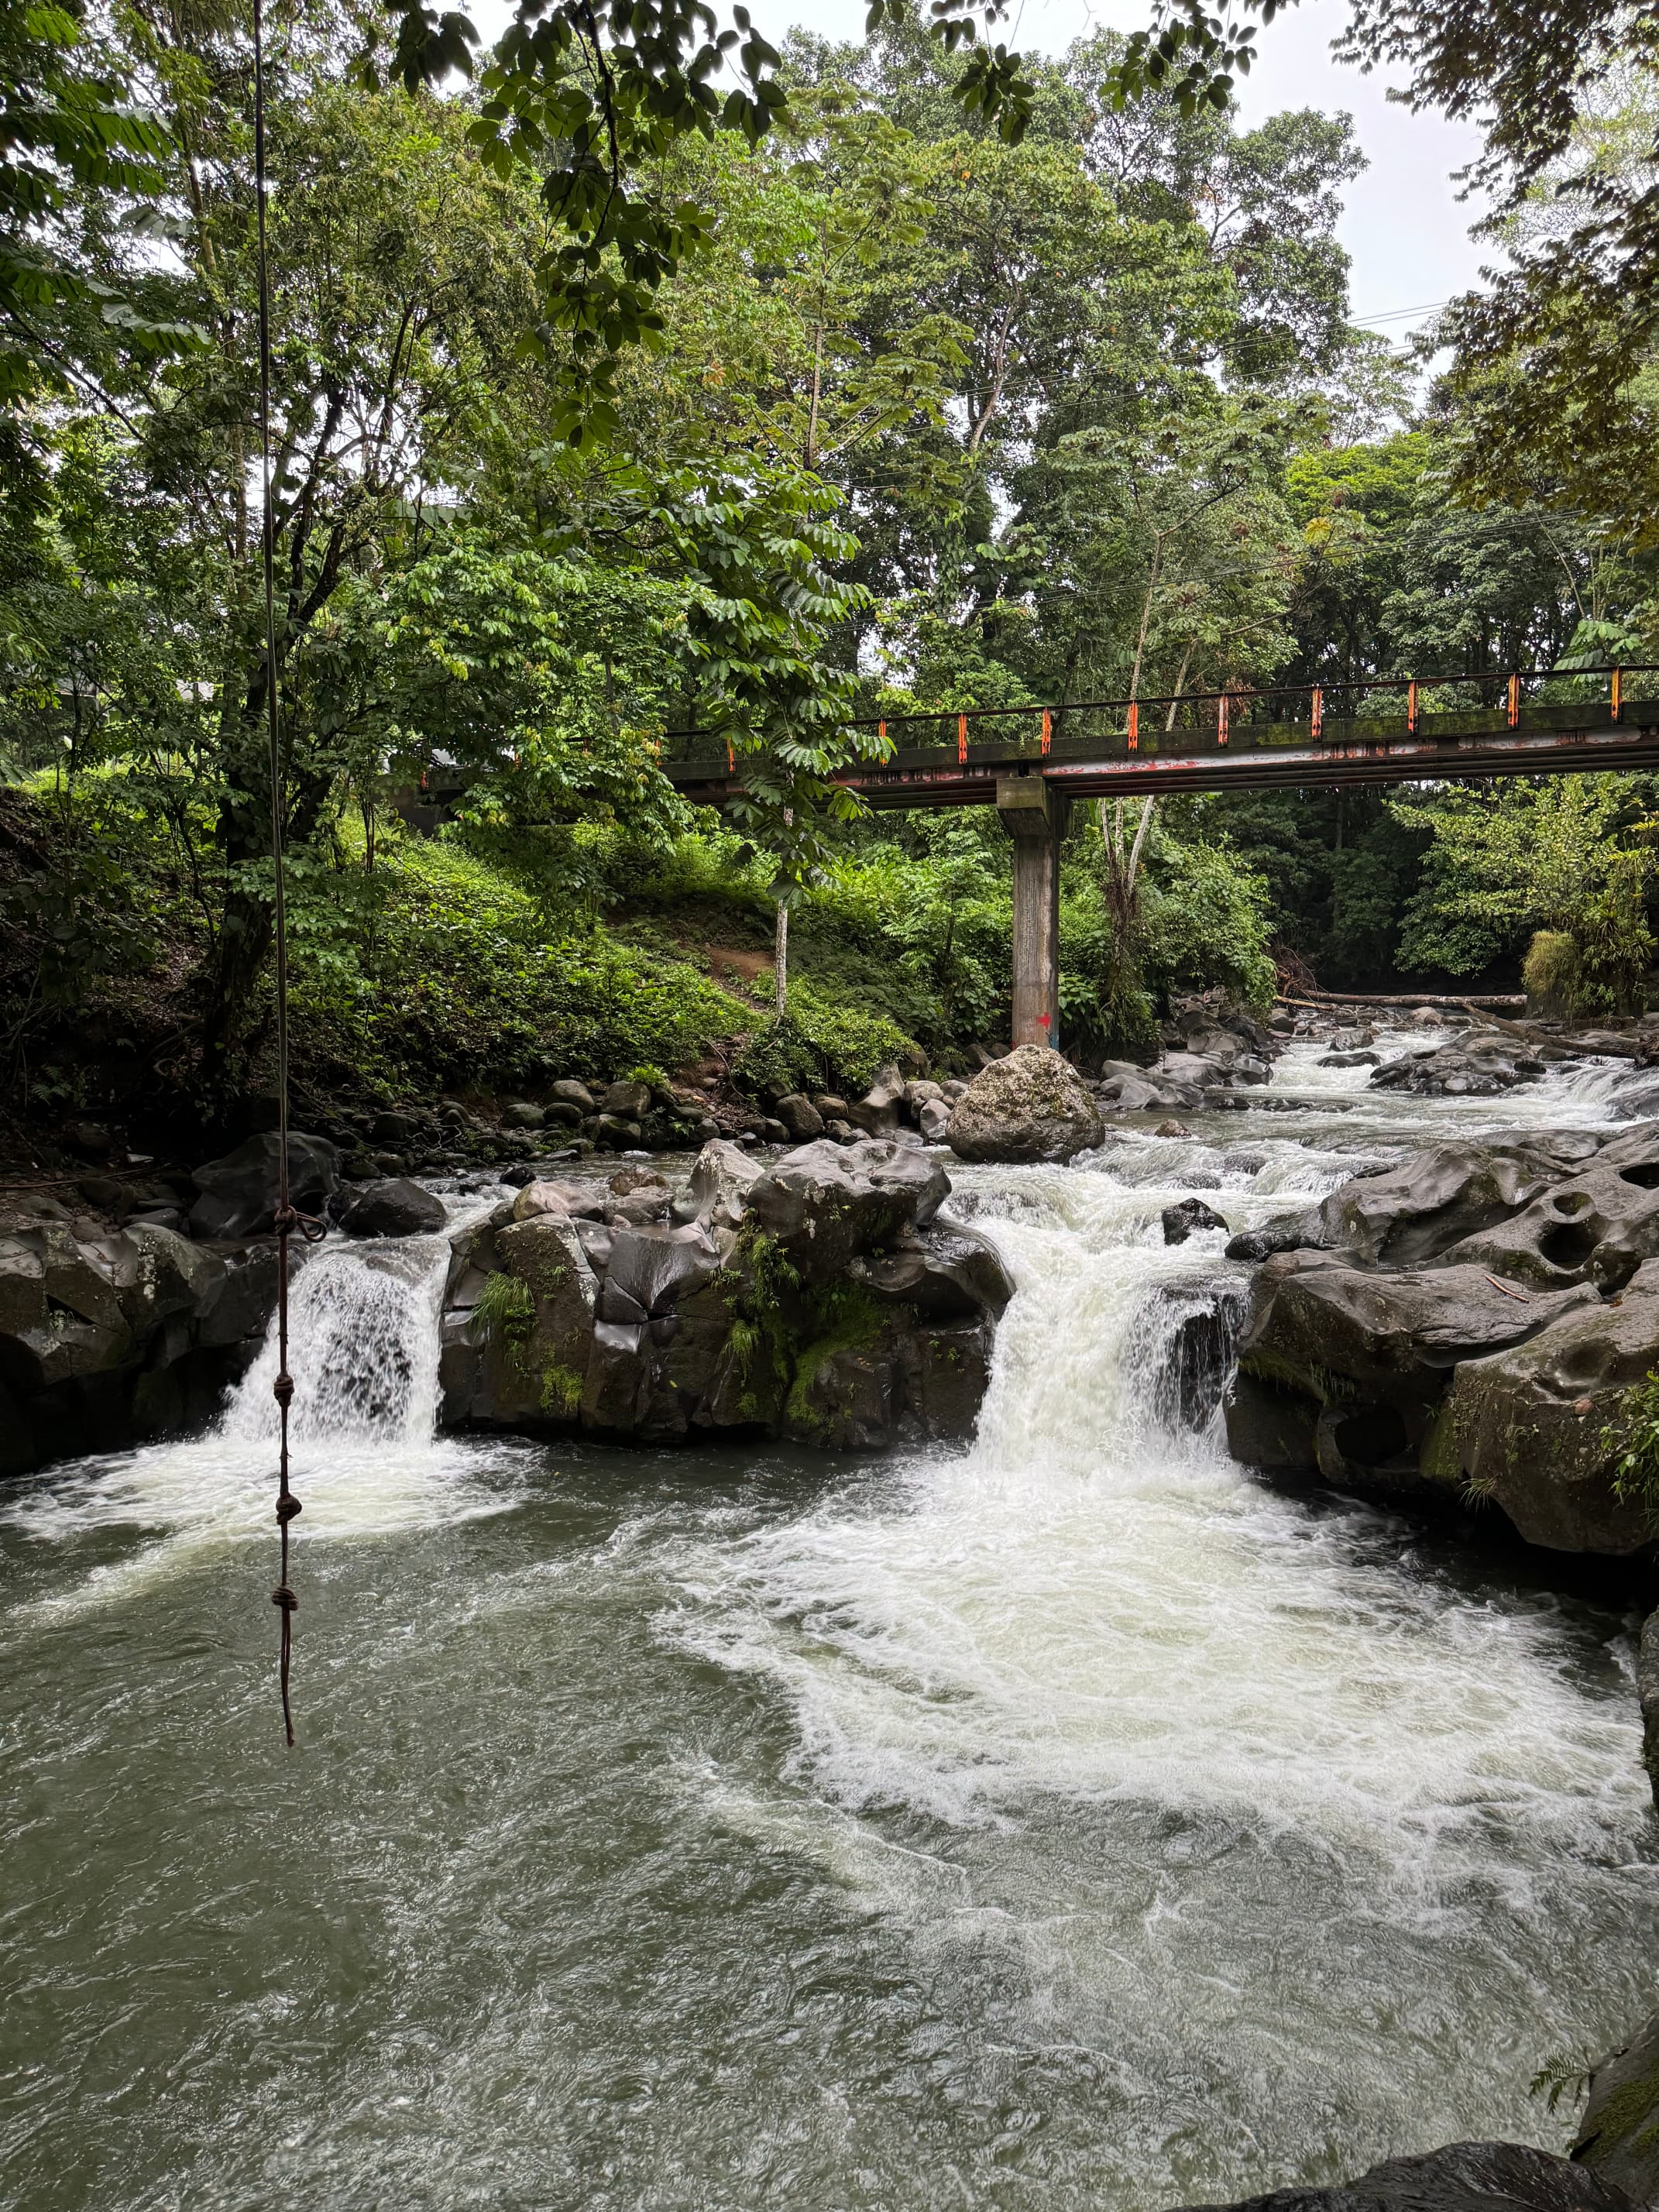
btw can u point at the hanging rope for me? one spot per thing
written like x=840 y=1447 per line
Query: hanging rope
x=286 y=1220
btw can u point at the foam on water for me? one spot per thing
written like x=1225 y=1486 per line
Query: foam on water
x=366 y=1454
x=1095 y=1604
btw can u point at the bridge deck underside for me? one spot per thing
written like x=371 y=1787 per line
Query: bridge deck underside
x=1546 y=741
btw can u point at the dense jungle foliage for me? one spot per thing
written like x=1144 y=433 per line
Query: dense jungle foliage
x=922 y=394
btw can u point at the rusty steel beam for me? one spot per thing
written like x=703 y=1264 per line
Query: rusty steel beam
x=1542 y=741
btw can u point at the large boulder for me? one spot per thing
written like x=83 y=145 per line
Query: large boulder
x=106 y=1340
x=942 y=1272
x=1427 y=1203
x=722 y=1176
x=1597 y=1227
x=393 y=1208
x=1618 y=2135
x=1468 y=2177
x=239 y=1192
x=1032 y=1105
x=825 y=1202
x=1369 y=1358
x=1535 y=1428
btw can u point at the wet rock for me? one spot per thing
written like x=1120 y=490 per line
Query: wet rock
x=1288 y=1232
x=1134 y=1089
x=800 y=1117
x=1172 y=1129
x=844 y=1396
x=1535 y=1428
x=520 y=1365
x=646 y=1273
x=1271 y=1427
x=1032 y=1105
x=611 y=1130
x=1619 y=2134
x=1179 y=1221
x=941 y=1273
x=1476 y=1064
x=1424 y=1205
x=1468 y=2177
x=1361 y=1058
x=1595 y=1226
x=522 y=1114
x=877 y=1113
x=626 y=1101
x=722 y=1176
x=239 y=1192
x=569 y=1092
x=944 y=1373
x=395 y=1207
x=1373 y=1355
x=933 y=1119
x=823 y=1203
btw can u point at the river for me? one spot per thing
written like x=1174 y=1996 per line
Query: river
x=1068 y=1821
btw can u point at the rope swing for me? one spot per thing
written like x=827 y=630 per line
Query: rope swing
x=286 y=1220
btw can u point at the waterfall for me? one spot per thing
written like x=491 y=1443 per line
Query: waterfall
x=363 y=1346
x=363 y=1322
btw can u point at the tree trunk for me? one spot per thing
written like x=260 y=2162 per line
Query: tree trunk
x=780 y=962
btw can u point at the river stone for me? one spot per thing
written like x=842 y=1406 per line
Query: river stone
x=942 y=1272
x=627 y=1101
x=933 y=1118
x=943 y=1374
x=531 y=1371
x=647 y=1272
x=1179 y=1221
x=1597 y=1227
x=1528 y=1427
x=1270 y=1427
x=1030 y=1105
x=1618 y=2135
x=877 y=1113
x=1427 y=1203
x=722 y=1175
x=1467 y=2177
x=158 y=1273
x=523 y=1113
x=799 y=1117
x=825 y=1201
x=844 y=1397
x=239 y=1192
x=1315 y=1318
x=395 y=1207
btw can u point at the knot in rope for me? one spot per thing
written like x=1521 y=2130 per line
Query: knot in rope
x=289 y=1508
x=284 y=1598
x=282 y=1389
x=288 y=1219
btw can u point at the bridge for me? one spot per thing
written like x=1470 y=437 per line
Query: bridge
x=1031 y=762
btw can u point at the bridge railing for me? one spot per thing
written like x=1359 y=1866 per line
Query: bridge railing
x=1369 y=709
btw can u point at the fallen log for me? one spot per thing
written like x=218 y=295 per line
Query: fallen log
x=1487 y=1005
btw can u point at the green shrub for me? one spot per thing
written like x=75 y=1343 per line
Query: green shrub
x=1551 y=972
x=820 y=1045
x=506 y=1311
x=1632 y=1436
x=461 y=983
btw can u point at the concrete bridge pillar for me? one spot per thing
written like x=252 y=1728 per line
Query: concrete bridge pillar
x=1035 y=817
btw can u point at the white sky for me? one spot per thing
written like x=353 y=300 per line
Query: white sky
x=1403 y=225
